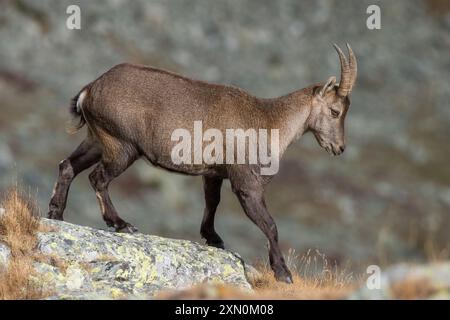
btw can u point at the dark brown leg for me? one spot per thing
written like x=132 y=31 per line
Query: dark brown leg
x=86 y=155
x=211 y=187
x=100 y=178
x=252 y=201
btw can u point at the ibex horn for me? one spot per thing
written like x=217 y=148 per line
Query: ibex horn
x=348 y=71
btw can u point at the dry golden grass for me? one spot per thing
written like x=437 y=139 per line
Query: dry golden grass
x=314 y=278
x=19 y=224
x=413 y=289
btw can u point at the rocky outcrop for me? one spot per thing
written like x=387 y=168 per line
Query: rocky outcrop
x=85 y=263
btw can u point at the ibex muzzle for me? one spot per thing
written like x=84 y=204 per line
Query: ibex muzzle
x=131 y=112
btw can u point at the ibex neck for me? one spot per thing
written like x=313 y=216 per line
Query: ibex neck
x=290 y=114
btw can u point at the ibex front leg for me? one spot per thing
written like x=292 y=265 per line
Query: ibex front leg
x=211 y=187
x=252 y=201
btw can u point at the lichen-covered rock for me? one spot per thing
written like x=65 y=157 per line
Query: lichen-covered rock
x=85 y=263
x=409 y=281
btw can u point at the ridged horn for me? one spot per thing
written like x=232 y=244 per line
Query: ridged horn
x=348 y=71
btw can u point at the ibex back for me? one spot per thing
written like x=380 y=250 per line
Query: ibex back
x=131 y=112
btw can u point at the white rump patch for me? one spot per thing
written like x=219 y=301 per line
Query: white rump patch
x=80 y=100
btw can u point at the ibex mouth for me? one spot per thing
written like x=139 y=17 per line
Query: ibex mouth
x=329 y=147
x=336 y=151
x=331 y=150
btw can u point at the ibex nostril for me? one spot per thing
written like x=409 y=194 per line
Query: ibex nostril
x=342 y=148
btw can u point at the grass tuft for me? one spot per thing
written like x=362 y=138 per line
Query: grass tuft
x=314 y=278
x=19 y=224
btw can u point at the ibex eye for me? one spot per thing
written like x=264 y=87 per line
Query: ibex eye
x=334 y=113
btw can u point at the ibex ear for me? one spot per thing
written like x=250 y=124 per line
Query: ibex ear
x=328 y=86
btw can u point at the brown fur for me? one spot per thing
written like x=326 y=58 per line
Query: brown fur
x=132 y=110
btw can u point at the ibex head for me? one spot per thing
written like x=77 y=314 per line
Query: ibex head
x=330 y=104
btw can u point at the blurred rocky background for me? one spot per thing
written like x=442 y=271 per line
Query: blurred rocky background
x=385 y=200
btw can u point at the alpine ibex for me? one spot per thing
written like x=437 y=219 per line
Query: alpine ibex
x=131 y=111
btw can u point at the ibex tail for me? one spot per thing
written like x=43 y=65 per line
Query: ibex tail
x=76 y=111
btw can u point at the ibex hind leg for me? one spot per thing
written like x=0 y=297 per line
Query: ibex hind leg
x=85 y=155
x=109 y=168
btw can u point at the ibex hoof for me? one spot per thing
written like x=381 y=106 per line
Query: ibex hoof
x=217 y=244
x=54 y=215
x=286 y=278
x=128 y=228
